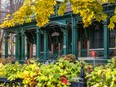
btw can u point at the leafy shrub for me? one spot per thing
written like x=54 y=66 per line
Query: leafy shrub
x=104 y=75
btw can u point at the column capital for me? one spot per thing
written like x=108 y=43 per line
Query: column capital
x=23 y=33
x=38 y=31
x=45 y=31
x=105 y=22
x=37 y=28
x=64 y=29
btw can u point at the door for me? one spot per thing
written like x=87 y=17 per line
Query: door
x=55 y=46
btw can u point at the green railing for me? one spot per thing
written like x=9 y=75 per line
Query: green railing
x=42 y=59
x=55 y=57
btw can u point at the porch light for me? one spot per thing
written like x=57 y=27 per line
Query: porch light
x=55 y=34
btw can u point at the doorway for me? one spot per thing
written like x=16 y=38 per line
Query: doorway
x=56 y=43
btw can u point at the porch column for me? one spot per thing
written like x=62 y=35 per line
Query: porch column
x=65 y=46
x=106 y=40
x=23 y=44
x=45 y=44
x=38 y=48
x=6 y=44
x=28 y=48
x=74 y=37
x=16 y=44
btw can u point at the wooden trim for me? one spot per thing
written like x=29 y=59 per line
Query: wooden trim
x=31 y=51
x=101 y=49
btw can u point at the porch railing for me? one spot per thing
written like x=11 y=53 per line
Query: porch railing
x=100 y=51
x=42 y=59
x=57 y=55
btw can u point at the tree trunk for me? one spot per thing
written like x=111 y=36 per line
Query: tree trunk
x=1 y=40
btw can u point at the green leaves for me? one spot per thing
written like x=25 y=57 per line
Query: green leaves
x=103 y=76
x=60 y=74
x=57 y=74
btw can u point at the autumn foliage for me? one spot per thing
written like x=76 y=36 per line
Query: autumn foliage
x=41 y=10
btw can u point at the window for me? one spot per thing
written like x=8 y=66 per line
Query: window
x=98 y=38
x=112 y=39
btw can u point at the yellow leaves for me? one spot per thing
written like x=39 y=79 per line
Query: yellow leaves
x=115 y=11
x=8 y=15
x=104 y=1
x=43 y=9
x=1 y=69
x=1 y=65
x=88 y=10
x=75 y=10
x=112 y=82
x=111 y=1
x=99 y=72
x=111 y=25
x=62 y=9
x=112 y=20
x=28 y=20
x=104 y=16
x=42 y=20
x=108 y=71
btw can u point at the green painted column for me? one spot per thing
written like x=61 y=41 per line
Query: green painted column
x=45 y=44
x=6 y=44
x=74 y=38
x=28 y=48
x=65 y=46
x=16 y=45
x=38 y=45
x=106 y=40
x=22 y=44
